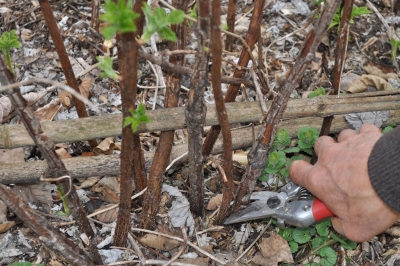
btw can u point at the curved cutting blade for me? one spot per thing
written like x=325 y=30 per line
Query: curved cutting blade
x=259 y=208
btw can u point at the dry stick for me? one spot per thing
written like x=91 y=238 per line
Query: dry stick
x=256 y=67
x=64 y=60
x=136 y=247
x=183 y=248
x=251 y=38
x=228 y=189
x=51 y=237
x=195 y=112
x=186 y=70
x=14 y=135
x=53 y=83
x=94 y=22
x=83 y=167
x=56 y=167
x=258 y=155
x=260 y=95
x=180 y=240
x=161 y=157
x=341 y=52
x=230 y=21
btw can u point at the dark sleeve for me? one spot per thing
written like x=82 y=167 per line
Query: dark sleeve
x=384 y=168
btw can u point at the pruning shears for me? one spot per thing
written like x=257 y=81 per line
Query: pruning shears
x=292 y=205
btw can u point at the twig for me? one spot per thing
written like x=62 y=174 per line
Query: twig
x=136 y=248
x=184 y=246
x=219 y=167
x=260 y=95
x=113 y=206
x=255 y=241
x=370 y=5
x=47 y=81
x=175 y=160
x=58 y=179
x=181 y=240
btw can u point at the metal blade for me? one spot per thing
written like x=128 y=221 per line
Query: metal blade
x=258 y=209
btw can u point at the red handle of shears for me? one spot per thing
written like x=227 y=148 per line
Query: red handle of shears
x=320 y=211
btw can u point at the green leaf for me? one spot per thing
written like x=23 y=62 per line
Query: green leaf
x=307 y=137
x=9 y=40
x=286 y=233
x=388 y=128
x=292 y=150
x=344 y=241
x=167 y=34
x=176 y=17
x=282 y=139
x=317 y=242
x=301 y=235
x=119 y=16
x=106 y=67
x=359 y=11
x=294 y=247
x=328 y=256
x=322 y=227
x=159 y=22
x=137 y=117
x=318 y=92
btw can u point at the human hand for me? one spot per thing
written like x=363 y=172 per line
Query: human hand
x=340 y=179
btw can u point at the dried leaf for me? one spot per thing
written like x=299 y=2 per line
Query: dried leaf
x=88 y=182
x=65 y=98
x=5 y=106
x=63 y=153
x=16 y=155
x=275 y=249
x=242 y=235
x=38 y=194
x=33 y=97
x=376 y=117
x=159 y=242
x=196 y=261
x=316 y=65
x=346 y=80
x=179 y=213
x=214 y=202
x=4 y=227
x=106 y=146
x=3 y=212
x=107 y=216
x=393 y=231
x=240 y=156
x=380 y=71
x=108 y=195
x=26 y=35
x=85 y=87
x=47 y=112
x=111 y=182
x=361 y=84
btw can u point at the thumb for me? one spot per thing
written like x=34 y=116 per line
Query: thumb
x=299 y=171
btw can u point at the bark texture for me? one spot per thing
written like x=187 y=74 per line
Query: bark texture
x=164 y=147
x=196 y=109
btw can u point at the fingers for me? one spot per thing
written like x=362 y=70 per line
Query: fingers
x=300 y=172
x=322 y=144
x=369 y=128
x=345 y=134
x=337 y=225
